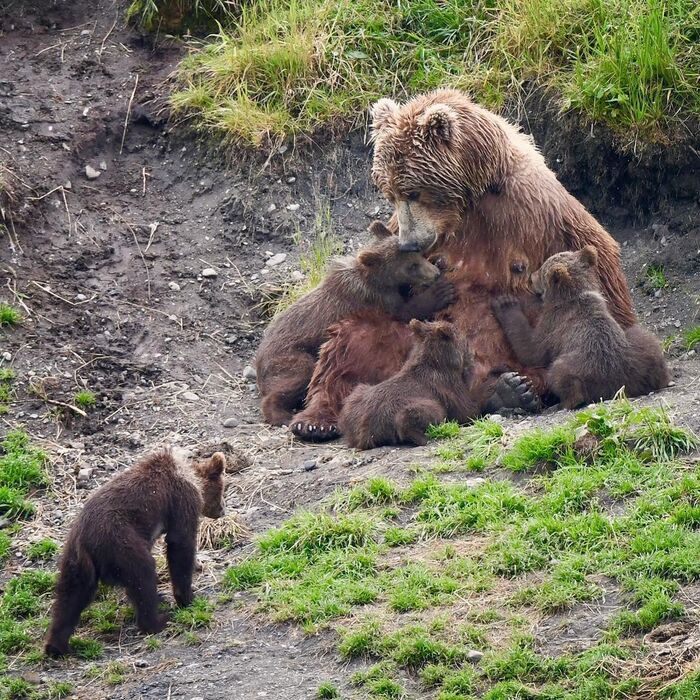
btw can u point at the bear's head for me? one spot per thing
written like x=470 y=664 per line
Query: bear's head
x=385 y=265
x=568 y=274
x=210 y=473
x=437 y=346
x=434 y=156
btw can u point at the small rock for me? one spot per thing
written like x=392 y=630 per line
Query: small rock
x=657 y=294
x=84 y=475
x=80 y=297
x=197 y=697
x=271 y=208
x=209 y=272
x=103 y=165
x=190 y=396
x=174 y=286
x=290 y=180
x=249 y=373
x=231 y=339
x=5 y=522
x=141 y=663
x=7 y=357
x=292 y=207
x=67 y=185
x=309 y=465
x=277 y=259
x=677 y=324
x=91 y=173
x=231 y=422
x=672 y=383
x=474 y=656
x=297 y=276
x=86 y=32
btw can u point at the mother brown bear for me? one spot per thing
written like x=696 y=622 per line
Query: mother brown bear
x=469 y=187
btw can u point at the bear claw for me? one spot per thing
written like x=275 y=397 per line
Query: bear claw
x=313 y=432
x=513 y=391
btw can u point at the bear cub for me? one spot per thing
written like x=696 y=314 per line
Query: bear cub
x=112 y=537
x=588 y=354
x=404 y=285
x=431 y=386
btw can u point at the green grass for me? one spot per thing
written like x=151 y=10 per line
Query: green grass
x=41 y=550
x=85 y=399
x=179 y=16
x=21 y=470
x=286 y=67
x=656 y=277
x=473 y=447
x=7 y=376
x=691 y=338
x=413 y=615
x=9 y=316
x=198 y=615
x=326 y=691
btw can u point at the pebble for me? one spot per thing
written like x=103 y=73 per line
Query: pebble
x=309 y=465
x=657 y=294
x=292 y=207
x=231 y=422
x=231 y=339
x=474 y=655
x=276 y=259
x=84 y=475
x=190 y=396
x=103 y=165
x=271 y=208
x=290 y=180
x=174 y=286
x=141 y=663
x=249 y=373
x=7 y=357
x=297 y=276
x=80 y=297
x=677 y=324
x=209 y=272
x=91 y=173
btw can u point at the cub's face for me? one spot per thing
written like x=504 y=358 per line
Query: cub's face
x=412 y=269
x=437 y=339
x=212 y=485
x=568 y=272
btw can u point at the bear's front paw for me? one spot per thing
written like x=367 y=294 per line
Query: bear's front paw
x=315 y=430
x=504 y=303
x=444 y=293
x=439 y=262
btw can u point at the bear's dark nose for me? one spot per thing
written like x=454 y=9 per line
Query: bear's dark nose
x=409 y=247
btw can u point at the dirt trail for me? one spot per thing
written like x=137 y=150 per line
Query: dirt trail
x=108 y=264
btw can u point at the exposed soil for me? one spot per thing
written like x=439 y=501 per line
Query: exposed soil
x=108 y=271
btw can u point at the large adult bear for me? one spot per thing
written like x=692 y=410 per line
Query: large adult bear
x=471 y=188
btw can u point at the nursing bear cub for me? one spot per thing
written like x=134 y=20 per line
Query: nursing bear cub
x=432 y=385
x=112 y=537
x=403 y=284
x=589 y=355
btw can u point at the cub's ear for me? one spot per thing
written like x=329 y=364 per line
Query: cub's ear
x=419 y=328
x=443 y=330
x=379 y=230
x=215 y=466
x=558 y=275
x=384 y=114
x=438 y=121
x=370 y=258
x=589 y=255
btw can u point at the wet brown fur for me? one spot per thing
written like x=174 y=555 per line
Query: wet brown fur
x=112 y=537
x=378 y=278
x=588 y=354
x=484 y=191
x=432 y=386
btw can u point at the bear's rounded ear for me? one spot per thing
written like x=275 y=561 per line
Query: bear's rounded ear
x=379 y=230
x=589 y=255
x=216 y=465
x=558 y=274
x=444 y=330
x=370 y=258
x=438 y=121
x=418 y=327
x=384 y=114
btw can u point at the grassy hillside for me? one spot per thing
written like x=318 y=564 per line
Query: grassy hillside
x=282 y=67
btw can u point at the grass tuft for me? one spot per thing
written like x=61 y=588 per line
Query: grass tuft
x=85 y=399
x=9 y=316
x=691 y=338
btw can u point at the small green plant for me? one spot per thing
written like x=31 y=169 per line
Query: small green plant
x=85 y=399
x=656 y=277
x=197 y=615
x=58 y=690
x=540 y=448
x=86 y=649
x=115 y=673
x=42 y=550
x=153 y=643
x=442 y=431
x=9 y=316
x=326 y=691
x=691 y=338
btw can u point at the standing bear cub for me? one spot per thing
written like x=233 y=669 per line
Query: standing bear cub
x=589 y=355
x=432 y=385
x=403 y=285
x=112 y=537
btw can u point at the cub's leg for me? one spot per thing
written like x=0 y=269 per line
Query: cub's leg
x=135 y=569
x=425 y=303
x=518 y=331
x=181 y=551
x=412 y=421
x=75 y=590
x=564 y=380
x=283 y=386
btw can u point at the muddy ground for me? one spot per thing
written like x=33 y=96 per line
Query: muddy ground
x=107 y=268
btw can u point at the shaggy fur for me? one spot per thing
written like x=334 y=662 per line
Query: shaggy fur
x=471 y=188
x=431 y=386
x=589 y=355
x=112 y=537
x=403 y=285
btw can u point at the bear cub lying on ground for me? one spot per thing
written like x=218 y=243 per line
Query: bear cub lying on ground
x=431 y=386
x=404 y=285
x=112 y=537
x=588 y=354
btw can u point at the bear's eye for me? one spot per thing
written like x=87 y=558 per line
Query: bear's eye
x=412 y=196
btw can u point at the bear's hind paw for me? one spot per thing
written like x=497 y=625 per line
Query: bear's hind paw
x=512 y=392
